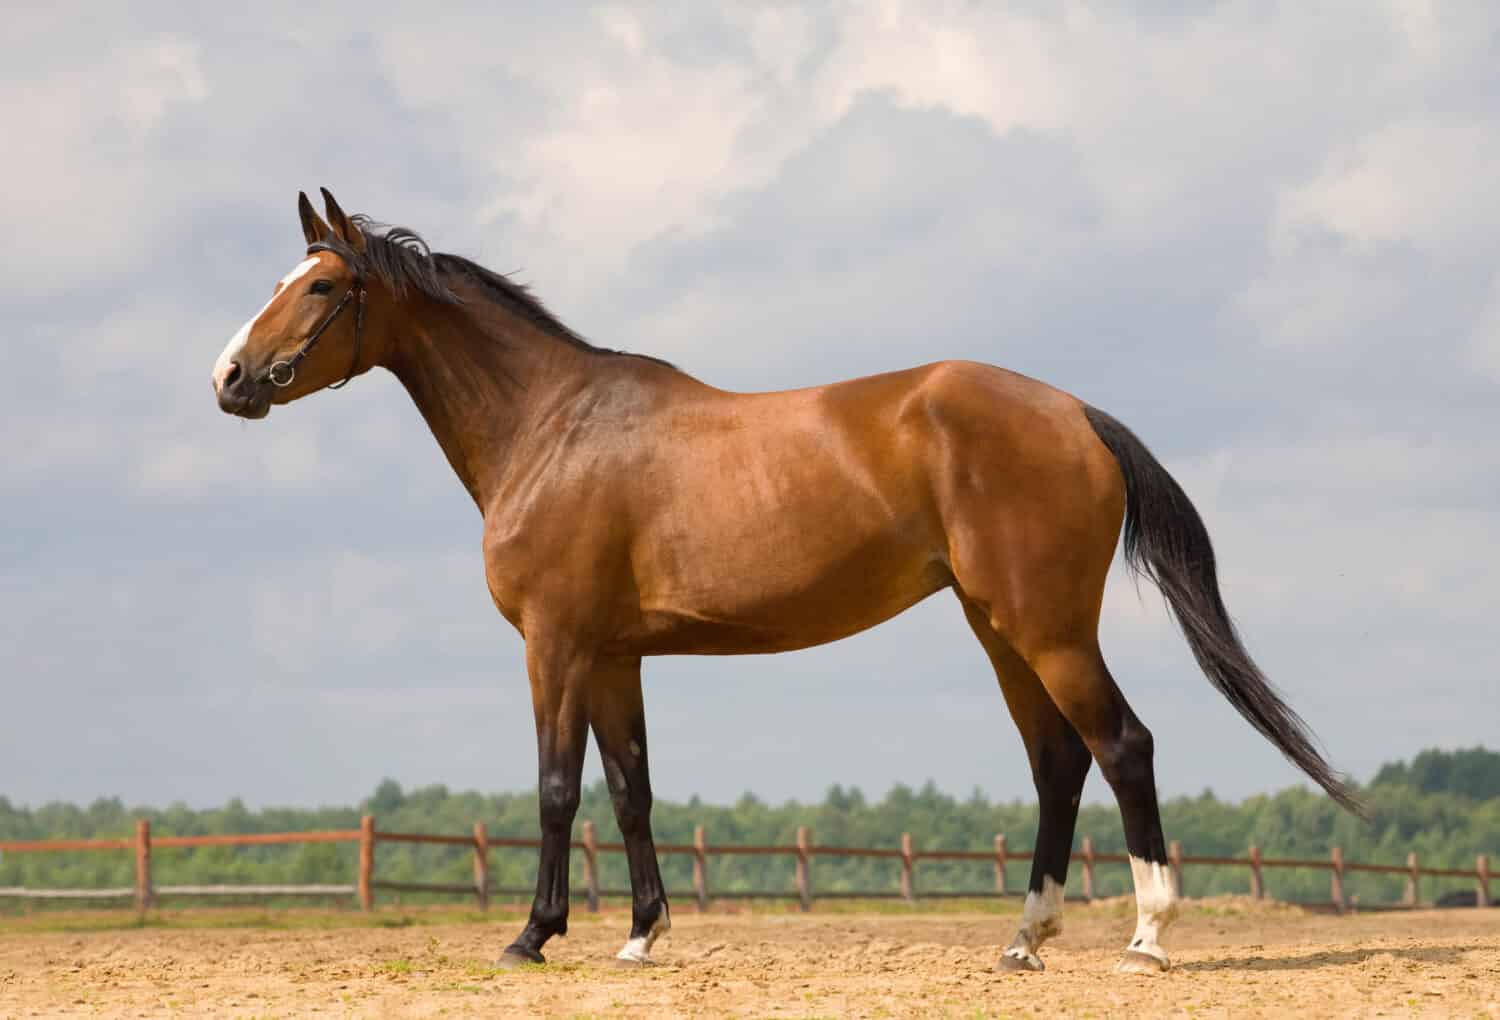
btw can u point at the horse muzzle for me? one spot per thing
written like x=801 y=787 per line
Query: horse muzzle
x=239 y=393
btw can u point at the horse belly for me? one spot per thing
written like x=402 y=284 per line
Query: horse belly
x=806 y=517
x=781 y=589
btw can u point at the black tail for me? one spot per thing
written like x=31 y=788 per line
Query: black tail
x=1165 y=539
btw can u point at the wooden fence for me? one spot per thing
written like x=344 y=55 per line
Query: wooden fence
x=145 y=894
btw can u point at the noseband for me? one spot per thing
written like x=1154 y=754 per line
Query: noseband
x=281 y=373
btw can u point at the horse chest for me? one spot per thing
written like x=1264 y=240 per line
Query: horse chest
x=510 y=567
x=545 y=566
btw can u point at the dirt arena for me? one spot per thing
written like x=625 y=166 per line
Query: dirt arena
x=1232 y=958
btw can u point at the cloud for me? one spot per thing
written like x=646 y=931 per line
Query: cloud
x=1264 y=239
x=1359 y=244
x=79 y=115
x=1484 y=339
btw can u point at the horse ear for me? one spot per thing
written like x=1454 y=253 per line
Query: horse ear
x=347 y=232
x=313 y=227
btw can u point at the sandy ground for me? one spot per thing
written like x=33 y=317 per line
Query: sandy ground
x=1232 y=958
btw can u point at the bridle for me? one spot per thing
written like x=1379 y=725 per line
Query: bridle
x=281 y=373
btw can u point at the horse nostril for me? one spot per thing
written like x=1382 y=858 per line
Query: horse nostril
x=232 y=376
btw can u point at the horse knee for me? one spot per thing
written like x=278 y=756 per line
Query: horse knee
x=632 y=809
x=630 y=793
x=558 y=801
x=1126 y=761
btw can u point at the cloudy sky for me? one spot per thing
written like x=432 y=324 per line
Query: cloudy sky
x=1264 y=236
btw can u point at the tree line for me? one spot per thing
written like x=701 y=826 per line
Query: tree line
x=1443 y=805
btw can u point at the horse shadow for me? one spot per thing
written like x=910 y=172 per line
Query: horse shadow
x=1329 y=958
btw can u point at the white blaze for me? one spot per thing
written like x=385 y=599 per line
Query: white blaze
x=237 y=342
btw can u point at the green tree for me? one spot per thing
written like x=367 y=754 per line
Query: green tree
x=1442 y=805
x=1472 y=773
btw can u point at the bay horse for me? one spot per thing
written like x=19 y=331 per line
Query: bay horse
x=631 y=510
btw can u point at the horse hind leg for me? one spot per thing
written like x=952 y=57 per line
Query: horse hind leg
x=1059 y=764
x=1082 y=688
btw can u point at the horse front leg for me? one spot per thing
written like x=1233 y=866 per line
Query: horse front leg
x=618 y=715
x=559 y=680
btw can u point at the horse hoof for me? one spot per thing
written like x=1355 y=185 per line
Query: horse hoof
x=634 y=962
x=1028 y=964
x=519 y=956
x=1141 y=963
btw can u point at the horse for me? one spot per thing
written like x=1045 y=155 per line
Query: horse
x=632 y=510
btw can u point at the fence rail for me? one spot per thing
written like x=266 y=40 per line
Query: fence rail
x=145 y=893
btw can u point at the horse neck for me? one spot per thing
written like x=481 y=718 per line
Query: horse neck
x=480 y=376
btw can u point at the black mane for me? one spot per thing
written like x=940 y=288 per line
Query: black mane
x=402 y=260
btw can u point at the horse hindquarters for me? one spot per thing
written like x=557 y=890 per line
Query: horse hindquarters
x=1033 y=529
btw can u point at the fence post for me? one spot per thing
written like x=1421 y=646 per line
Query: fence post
x=1088 y=869
x=590 y=867
x=908 y=880
x=366 y=862
x=143 y=895
x=700 y=868
x=1000 y=864
x=482 y=865
x=1482 y=880
x=1257 y=883
x=1336 y=884
x=1174 y=858
x=804 y=880
x=1413 y=880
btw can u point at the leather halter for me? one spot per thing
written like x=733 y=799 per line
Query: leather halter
x=282 y=372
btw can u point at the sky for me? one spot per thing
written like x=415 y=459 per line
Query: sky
x=1265 y=236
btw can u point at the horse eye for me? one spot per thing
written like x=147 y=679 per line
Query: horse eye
x=320 y=287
